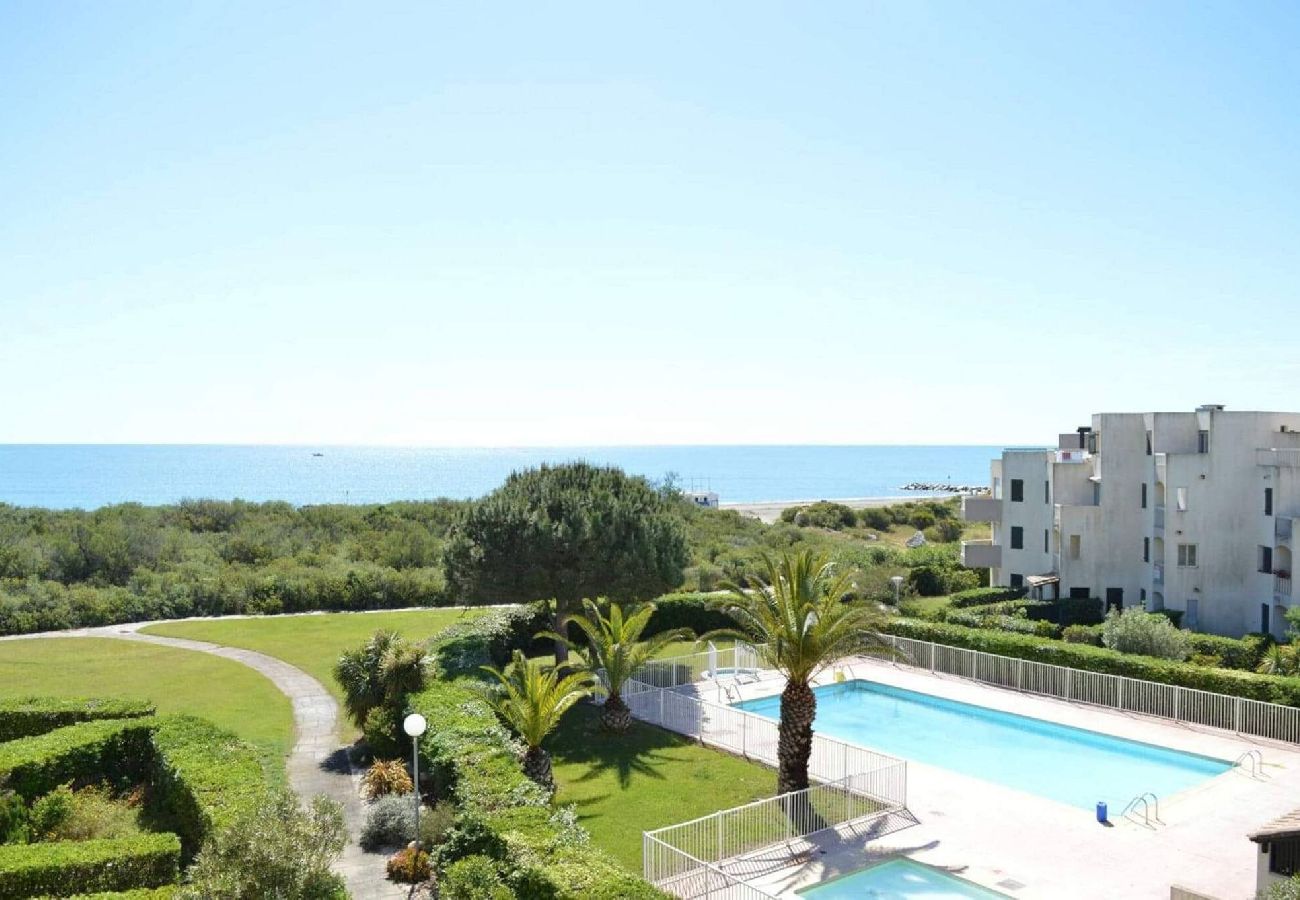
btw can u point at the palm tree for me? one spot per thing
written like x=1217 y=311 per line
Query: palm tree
x=380 y=672
x=532 y=699
x=1279 y=660
x=615 y=646
x=794 y=612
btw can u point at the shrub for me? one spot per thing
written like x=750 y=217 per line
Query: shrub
x=436 y=824
x=928 y=581
x=49 y=813
x=701 y=613
x=386 y=777
x=822 y=514
x=875 y=518
x=922 y=519
x=94 y=813
x=390 y=822
x=1082 y=634
x=13 y=818
x=381 y=733
x=1173 y=615
x=473 y=878
x=1134 y=631
x=66 y=868
x=275 y=849
x=1243 y=654
x=945 y=531
x=30 y=716
x=490 y=639
x=380 y=672
x=1269 y=688
x=411 y=866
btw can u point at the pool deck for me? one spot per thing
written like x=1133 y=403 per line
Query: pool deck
x=1028 y=846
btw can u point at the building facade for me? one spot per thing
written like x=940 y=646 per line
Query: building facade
x=1186 y=511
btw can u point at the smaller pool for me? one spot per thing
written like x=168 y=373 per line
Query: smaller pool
x=899 y=879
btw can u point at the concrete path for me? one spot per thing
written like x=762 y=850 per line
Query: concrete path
x=318 y=764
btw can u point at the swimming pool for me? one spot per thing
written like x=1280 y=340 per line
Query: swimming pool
x=1071 y=765
x=899 y=879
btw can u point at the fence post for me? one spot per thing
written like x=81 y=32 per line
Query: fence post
x=1069 y=682
x=744 y=736
x=1178 y=704
x=661 y=721
x=1020 y=668
x=1236 y=715
x=932 y=646
x=1121 y=692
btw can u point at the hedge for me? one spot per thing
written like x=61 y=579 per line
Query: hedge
x=503 y=814
x=491 y=639
x=29 y=716
x=68 y=868
x=986 y=595
x=159 y=893
x=701 y=613
x=1242 y=654
x=1268 y=688
x=116 y=750
x=201 y=778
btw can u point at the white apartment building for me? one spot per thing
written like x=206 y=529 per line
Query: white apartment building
x=1190 y=511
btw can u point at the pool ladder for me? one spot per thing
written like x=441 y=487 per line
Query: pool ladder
x=1256 y=760
x=1150 y=811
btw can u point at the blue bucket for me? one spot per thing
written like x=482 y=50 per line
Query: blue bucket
x=1101 y=812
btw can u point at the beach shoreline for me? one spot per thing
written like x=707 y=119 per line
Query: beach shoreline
x=770 y=510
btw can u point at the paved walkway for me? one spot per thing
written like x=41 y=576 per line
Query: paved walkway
x=318 y=764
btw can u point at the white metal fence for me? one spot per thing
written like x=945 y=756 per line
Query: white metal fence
x=1269 y=720
x=701 y=857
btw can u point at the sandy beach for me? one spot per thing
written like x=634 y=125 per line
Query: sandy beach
x=770 y=511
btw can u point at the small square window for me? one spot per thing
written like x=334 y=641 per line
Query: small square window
x=1017 y=580
x=1186 y=556
x=1017 y=537
x=1017 y=490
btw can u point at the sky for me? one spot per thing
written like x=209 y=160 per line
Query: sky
x=593 y=223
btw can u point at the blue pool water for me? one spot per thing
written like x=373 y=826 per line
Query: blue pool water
x=899 y=879
x=1071 y=765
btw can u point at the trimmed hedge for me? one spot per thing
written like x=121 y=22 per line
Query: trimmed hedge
x=491 y=639
x=1242 y=654
x=68 y=868
x=1268 y=688
x=201 y=778
x=116 y=750
x=698 y=612
x=503 y=814
x=29 y=716
x=158 y=893
x=986 y=595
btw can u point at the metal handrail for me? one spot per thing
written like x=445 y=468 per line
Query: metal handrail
x=1256 y=761
x=1146 y=808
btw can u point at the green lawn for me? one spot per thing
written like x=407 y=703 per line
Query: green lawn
x=645 y=779
x=175 y=681
x=312 y=643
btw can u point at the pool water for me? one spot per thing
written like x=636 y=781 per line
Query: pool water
x=1071 y=765
x=899 y=879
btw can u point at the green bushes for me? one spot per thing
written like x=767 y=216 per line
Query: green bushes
x=68 y=868
x=29 y=716
x=1134 y=631
x=986 y=595
x=822 y=514
x=501 y=813
x=115 y=750
x=489 y=640
x=1082 y=634
x=475 y=877
x=1244 y=654
x=700 y=613
x=1268 y=688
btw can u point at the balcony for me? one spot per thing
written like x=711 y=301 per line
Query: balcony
x=1282 y=529
x=981 y=509
x=1278 y=457
x=1281 y=586
x=981 y=555
x=1160 y=518
x=1158 y=577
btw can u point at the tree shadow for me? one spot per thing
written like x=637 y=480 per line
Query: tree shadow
x=642 y=750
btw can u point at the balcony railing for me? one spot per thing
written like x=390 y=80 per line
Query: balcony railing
x=1160 y=517
x=1282 y=586
x=981 y=509
x=981 y=555
x=1159 y=576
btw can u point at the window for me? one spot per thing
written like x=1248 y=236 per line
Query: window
x=1080 y=593
x=1094 y=441
x=1017 y=490
x=1181 y=495
x=1142 y=597
x=1017 y=537
x=1148 y=443
x=1146 y=549
x=1144 y=495
x=1266 y=561
x=1284 y=858
x=1263 y=618
x=1046 y=541
x=1114 y=598
x=1202 y=442
x=1187 y=556
x=1017 y=580
x=1075 y=546
x=1096 y=493
x=1047 y=491
x=1192 y=616
x=1268 y=501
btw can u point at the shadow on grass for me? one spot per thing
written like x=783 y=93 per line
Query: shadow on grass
x=642 y=750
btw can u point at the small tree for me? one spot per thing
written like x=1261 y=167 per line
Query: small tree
x=531 y=699
x=1150 y=634
x=614 y=645
x=567 y=533
x=276 y=850
x=381 y=672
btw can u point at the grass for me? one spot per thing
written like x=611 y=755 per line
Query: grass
x=227 y=693
x=920 y=606
x=312 y=642
x=645 y=779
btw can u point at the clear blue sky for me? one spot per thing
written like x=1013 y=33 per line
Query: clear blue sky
x=642 y=223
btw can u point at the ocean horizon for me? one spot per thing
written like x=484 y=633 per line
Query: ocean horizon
x=88 y=476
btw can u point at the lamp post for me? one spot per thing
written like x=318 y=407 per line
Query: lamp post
x=897 y=581
x=414 y=726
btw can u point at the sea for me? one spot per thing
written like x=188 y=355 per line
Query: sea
x=87 y=476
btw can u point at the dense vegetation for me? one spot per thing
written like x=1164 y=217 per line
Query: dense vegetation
x=69 y=568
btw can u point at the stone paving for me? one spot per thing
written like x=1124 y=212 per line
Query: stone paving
x=318 y=765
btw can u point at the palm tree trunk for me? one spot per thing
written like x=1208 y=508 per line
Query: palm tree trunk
x=558 y=626
x=616 y=716
x=794 y=742
x=537 y=766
